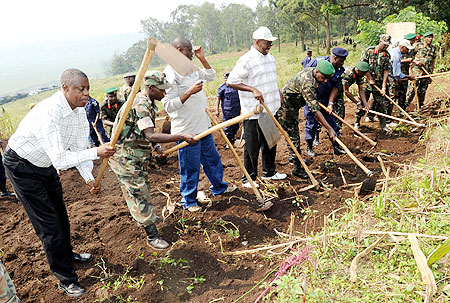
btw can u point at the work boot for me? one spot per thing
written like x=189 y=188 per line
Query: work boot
x=316 y=139
x=309 y=151
x=292 y=158
x=299 y=171
x=383 y=123
x=337 y=150
x=154 y=239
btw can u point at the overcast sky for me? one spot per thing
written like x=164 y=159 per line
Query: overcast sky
x=54 y=20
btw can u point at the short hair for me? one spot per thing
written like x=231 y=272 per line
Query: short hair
x=69 y=76
x=181 y=42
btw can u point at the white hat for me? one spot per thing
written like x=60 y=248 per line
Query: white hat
x=263 y=33
x=405 y=43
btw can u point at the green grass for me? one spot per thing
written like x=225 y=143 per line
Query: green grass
x=288 y=63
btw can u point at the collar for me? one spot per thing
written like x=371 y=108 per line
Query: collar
x=256 y=52
x=66 y=109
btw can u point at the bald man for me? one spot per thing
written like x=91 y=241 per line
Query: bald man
x=54 y=135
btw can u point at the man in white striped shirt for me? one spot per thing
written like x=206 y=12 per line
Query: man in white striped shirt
x=255 y=76
x=54 y=135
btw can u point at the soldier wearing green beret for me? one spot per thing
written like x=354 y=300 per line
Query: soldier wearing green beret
x=134 y=154
x=425 y=58
x=125 y=90
x=110 y=107
x=357 y=75
x=299 y=91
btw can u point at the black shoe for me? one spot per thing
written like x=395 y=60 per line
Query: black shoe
x=154 y=239
x=72 y=290
x=337 y=150
x=82 y=258
x=310 y=152
x=6 y=193
x=298 y=171
x=316 y=139
x=292 y=158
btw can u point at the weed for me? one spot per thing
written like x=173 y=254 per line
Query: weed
x=195 y=281
x=167 y=260
x=232 y=231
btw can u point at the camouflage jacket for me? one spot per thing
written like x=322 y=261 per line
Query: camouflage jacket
x=7 y=289
x=109 y=112
x=304 y=85
x=378 y=61
x=132 y=138
x=351 y=77
x=124 y=92
x=426 y=55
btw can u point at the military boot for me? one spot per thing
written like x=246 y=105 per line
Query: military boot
x=310 y=151
x=298 y=170
x=337 y=149
x=154 y=239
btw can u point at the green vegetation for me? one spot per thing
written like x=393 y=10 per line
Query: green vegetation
x=415 y=201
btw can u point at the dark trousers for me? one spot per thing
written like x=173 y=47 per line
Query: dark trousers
x=40 y=192
x=2 y=176
x=255 y=141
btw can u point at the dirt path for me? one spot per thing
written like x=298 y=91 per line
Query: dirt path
x=102 y=225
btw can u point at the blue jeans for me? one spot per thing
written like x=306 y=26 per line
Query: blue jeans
x=190 y=157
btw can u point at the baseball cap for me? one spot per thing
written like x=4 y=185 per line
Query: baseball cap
x=385 y=38
x=263 y=33
x=157 y=79
x=405 y=43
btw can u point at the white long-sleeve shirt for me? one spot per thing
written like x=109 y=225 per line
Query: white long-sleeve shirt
x=54 y=134
x=259 y=71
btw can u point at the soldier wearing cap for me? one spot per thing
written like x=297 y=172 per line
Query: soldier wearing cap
x=424 y=59
x=400 y=78
x=302 y=90
x=125 y=89
x=308 y=58
x=379 y=61
x=357 y=75
x=134 y=154
x=110 y=107
x=228 y=100
x=329 y=94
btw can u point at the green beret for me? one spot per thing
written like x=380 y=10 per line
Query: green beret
x=110 y=90
x=362 y=66
x=409 y=36
x=428 y=34
x=325 y=68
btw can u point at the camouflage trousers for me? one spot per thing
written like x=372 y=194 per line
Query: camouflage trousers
x=422 y=86
x=399 y=89
x=7 y=289
x=380 y=104
x=132 y=173
x=339 y=108
x=287 y=115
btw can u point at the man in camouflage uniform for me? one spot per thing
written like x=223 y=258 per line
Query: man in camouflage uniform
x=357 y=75
x=134 y=154
x=110 y=107
x=7 y=289
x=125 y=90
x=379 y=61
x=400 y=88
x=330 y=94
x=425 y=58
x=299 y=91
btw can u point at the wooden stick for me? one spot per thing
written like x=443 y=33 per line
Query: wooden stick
x=99 y=137
x=365 y=169
x=289 y=141
x=423 y=68
x=395 y=118
x=217 y=127
x=151 y=44
x=433 y=75
x=395 y=103
x=241 y=165
x=373 y=143
x=416 y=96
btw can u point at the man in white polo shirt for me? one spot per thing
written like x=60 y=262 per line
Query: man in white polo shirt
x=54 y=135
x=255 y=76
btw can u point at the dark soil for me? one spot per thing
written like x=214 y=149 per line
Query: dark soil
x=103 y=226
